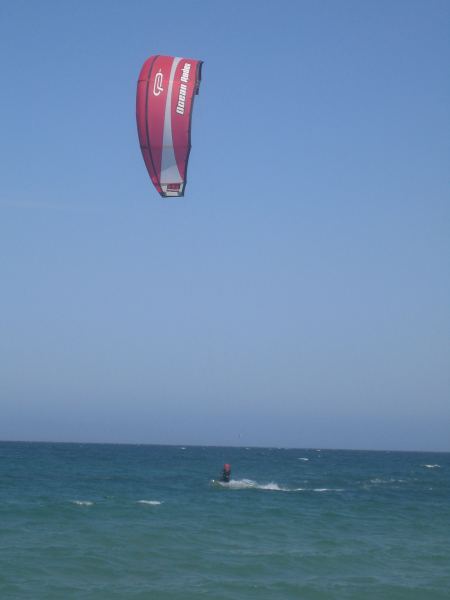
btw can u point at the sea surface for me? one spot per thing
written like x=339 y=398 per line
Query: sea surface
x=99 y=521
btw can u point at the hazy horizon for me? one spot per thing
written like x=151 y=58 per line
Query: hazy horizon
x=255 y=446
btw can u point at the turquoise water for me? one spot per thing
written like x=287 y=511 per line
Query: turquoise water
x=145 y=522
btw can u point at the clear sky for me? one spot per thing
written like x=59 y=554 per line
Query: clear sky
x=299 y=295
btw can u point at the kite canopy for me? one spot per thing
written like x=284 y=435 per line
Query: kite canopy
x=164 y=102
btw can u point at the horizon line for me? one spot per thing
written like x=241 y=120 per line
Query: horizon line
x=315 y=449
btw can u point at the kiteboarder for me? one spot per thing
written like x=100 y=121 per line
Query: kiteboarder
x=226 y=475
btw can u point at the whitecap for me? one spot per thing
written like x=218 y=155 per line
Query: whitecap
x=182 y=448
x=432 y=466
x=151 y=502
x=82 y=502
x=328 y=490
x=303 y=458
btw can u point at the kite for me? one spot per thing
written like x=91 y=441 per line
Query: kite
x=164 y=102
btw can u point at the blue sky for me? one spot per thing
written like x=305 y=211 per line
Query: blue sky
x=297 y=296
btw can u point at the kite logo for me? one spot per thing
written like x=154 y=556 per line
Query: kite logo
x=181 y=99
x=157 y=86
x=185 y=73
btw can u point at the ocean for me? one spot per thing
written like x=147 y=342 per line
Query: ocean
x=105 y=521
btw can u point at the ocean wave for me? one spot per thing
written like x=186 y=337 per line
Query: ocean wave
x=82 y=502
x=303 y=458
x=432 y=466
x=151 y=502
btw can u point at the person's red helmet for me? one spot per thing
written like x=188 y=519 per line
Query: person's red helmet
x=226 y=467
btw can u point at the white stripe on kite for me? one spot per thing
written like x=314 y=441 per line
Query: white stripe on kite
x=169 y=168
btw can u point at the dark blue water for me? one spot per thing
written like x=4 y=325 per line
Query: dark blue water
x=146 y=522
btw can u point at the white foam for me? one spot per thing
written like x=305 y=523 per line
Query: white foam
x=247 y=484
x=432 y=466
x=240 y=484
x=272 y=486
x=303 y=458
x=182 y=448
x=151 y=502
x=82 y=502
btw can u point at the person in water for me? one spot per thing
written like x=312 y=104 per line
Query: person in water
x=226 y=475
